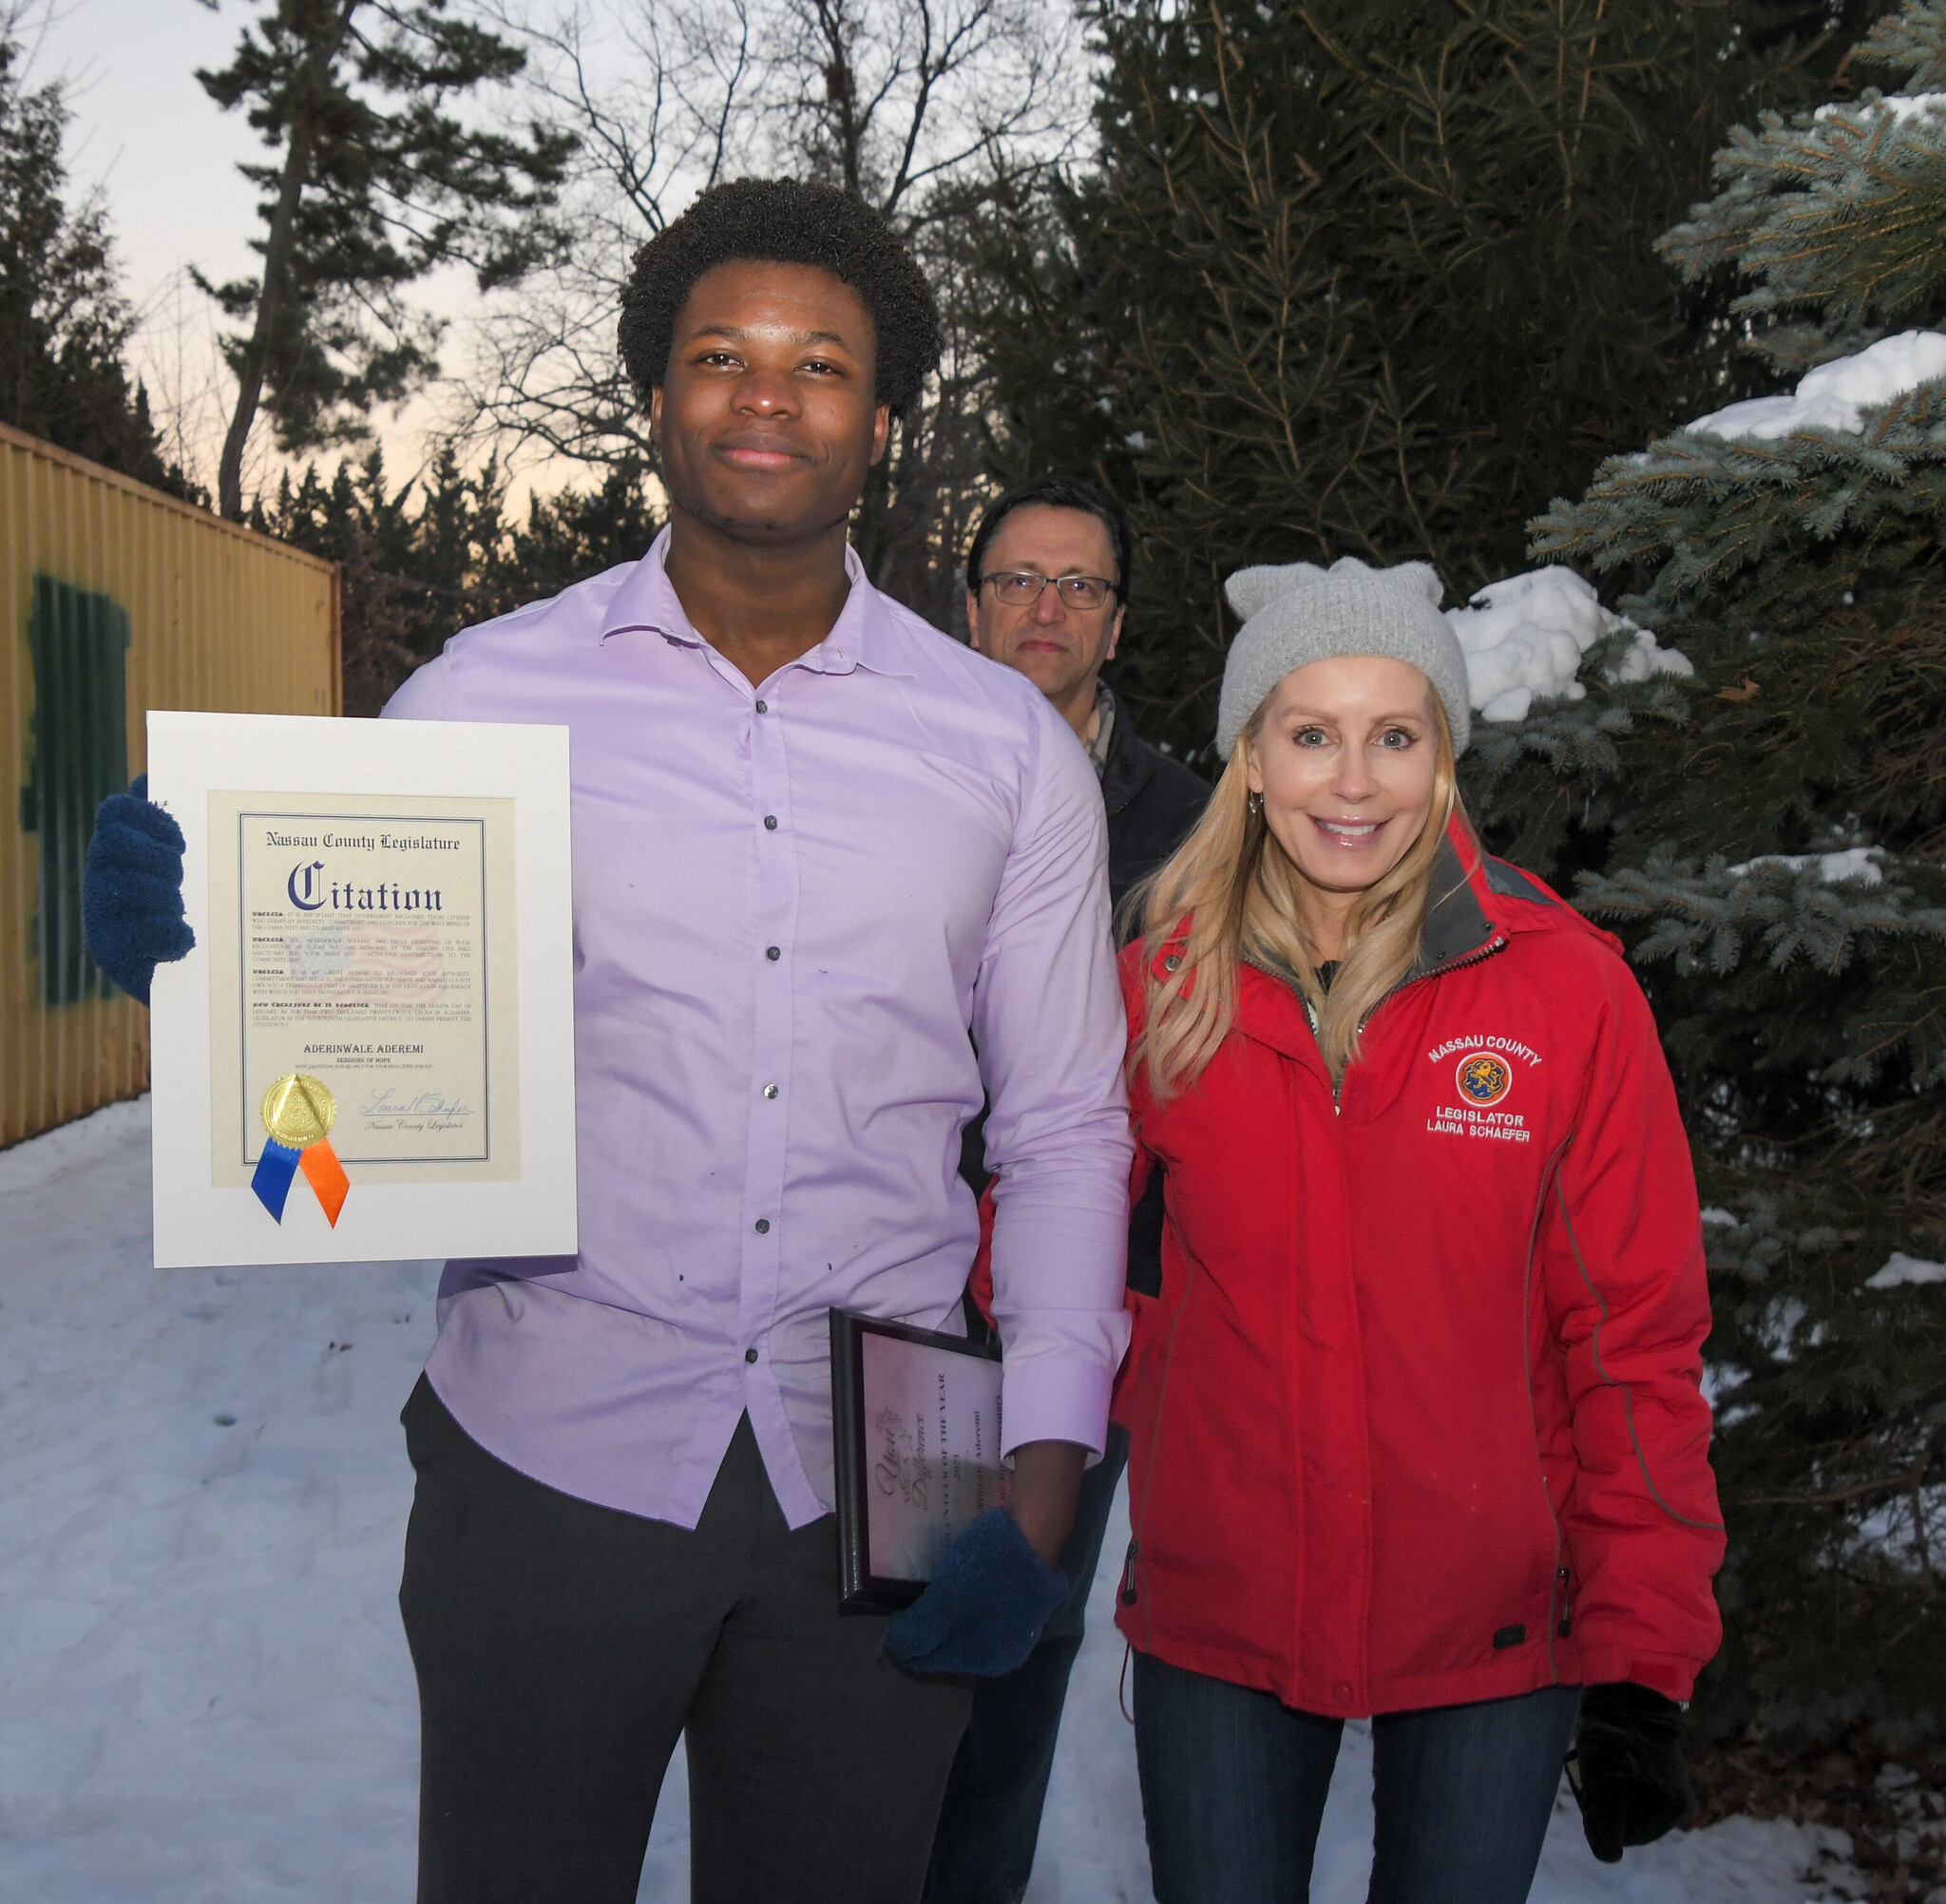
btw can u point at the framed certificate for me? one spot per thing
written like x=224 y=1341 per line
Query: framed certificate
x=369 y=1055
x=915 y=1425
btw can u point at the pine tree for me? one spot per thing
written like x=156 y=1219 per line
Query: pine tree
x=386 y=608
x=375 y=184
x=419 y=562
x=64 y=326
x=1770 y=838
x=1376 y=280
x=570 y=536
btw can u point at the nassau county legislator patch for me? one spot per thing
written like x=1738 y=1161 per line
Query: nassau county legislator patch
x=1483 y=1077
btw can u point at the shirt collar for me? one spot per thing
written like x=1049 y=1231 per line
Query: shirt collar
x=865 y=635
x=1097 y=748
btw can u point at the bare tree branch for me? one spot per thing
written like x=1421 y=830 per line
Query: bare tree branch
x=925 y=108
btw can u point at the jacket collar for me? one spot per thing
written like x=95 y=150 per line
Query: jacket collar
x=1459 y=928
x=1456 y=921
x=1130 y=766
x=864 y=635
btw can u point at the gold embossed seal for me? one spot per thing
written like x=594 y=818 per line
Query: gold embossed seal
x=300 y=1111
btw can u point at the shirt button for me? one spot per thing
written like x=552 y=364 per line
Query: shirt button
x=750 y=1355
x=763 y=1226
x=763 y=707
x=773 y=953
x=1174 y=962
x=770 y=822
x=769 y=1090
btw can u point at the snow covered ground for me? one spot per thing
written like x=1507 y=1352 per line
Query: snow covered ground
x=204 y=1694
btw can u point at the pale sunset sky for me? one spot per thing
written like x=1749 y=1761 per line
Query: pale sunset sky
x=165 y=156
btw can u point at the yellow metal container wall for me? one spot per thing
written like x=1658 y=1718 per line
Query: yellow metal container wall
x=121 y=599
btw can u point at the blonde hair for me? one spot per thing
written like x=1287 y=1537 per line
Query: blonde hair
x=1236 y=888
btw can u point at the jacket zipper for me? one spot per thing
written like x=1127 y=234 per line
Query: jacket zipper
x=1336 y=1083
x=1479 y=954
x=1473 y=958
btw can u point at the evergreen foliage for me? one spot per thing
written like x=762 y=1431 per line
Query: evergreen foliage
x=375 y=182
x=1768 y=837
x=64 y=323
x=438 y=554
x=1369 y=279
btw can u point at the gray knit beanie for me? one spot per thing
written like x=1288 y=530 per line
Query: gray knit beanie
x=1301 y=613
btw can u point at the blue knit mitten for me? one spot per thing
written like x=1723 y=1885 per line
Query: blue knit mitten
x=984 y=1609
x=132 y=890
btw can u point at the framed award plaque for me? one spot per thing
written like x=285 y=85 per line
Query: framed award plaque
x=915 y=1426
x=369 y=1051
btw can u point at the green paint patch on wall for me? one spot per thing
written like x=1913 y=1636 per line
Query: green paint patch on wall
x=79 y=643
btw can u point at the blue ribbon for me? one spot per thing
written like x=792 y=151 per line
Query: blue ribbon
x=272 y=1181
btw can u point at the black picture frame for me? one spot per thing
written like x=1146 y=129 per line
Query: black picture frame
x=861 y=1590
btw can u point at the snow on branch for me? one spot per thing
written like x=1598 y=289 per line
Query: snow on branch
x=1707 y=508
x=1815 y=907
x=1911 y=42
x=1839 y=208
x=1901 y=1270
x=1858 y=863
x=1836 y=396
x=1525 y=639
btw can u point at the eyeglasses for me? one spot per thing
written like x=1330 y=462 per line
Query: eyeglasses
x=1021 y=588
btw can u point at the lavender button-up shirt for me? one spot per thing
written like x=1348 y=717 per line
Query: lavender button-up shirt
x=811 y=919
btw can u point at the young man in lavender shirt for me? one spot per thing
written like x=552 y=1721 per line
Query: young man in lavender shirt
x=822 y=856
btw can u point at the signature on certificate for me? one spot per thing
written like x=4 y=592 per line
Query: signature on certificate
x=387 y=1104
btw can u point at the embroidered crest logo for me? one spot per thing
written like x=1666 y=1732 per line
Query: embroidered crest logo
x=1483 y=1077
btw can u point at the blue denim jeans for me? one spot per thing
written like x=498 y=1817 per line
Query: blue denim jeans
x=982 y=1852
x=1234 y=1786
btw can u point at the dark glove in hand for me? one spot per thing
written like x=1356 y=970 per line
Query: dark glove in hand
x=1628 y=1768
x=984 y=1609
x=132 y=890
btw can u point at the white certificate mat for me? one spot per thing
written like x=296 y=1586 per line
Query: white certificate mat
x=384 y=907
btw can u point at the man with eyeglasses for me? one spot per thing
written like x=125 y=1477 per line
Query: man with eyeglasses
x=1047 y=581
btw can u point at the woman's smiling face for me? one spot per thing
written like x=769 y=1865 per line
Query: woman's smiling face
x=1346 y=758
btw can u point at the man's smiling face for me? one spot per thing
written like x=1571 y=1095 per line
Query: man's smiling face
x=768 y=418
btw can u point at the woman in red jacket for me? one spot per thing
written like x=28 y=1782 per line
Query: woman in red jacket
x=1418 y=1430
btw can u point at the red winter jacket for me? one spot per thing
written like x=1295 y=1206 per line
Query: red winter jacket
x=1416 y=1418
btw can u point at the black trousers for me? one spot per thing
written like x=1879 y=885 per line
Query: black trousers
x=562 y=1648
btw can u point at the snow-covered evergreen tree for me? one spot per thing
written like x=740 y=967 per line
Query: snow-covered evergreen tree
x=1768 y=834
x=1370 y=278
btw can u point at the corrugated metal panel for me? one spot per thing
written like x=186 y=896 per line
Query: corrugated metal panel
x=121 y=599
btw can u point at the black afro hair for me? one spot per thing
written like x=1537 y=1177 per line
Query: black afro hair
x=784 y=222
